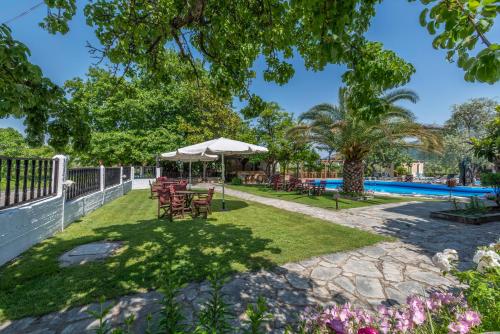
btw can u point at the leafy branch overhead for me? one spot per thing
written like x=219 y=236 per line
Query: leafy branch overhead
x=459 y=25
x=230 y=35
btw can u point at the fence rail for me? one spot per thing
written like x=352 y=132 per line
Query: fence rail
x=26 y=179
x=86 y=181
x=112 y=176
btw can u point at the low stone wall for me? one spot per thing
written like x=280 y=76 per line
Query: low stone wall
x=24 y=226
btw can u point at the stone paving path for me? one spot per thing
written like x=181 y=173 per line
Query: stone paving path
x=385 y=273
x=409 y=222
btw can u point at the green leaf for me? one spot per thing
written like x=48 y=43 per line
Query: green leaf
x=473 y=4
x=423 y=17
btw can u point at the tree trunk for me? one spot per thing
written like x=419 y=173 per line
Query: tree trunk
x=353 y=176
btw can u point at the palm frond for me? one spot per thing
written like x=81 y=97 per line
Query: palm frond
x=400 y=94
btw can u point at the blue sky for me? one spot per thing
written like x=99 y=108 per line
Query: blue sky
x=438 y=83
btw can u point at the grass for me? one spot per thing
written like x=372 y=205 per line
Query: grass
x=324 y=201
x=248 y=237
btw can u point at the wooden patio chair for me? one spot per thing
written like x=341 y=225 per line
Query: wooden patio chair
x=180 y=186
x=177 y=204
x=154 y=188
x=203 y=204
x=164 y=202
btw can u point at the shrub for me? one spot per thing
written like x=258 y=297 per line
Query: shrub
x=492 y=180
x=236 y=181
x=400 y=170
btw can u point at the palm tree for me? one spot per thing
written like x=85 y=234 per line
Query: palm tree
x=354 y=135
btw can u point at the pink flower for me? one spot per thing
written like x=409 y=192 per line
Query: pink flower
x=418 y=316
x=460 y=327
x=471 y=318
x=433 y=304
x=385 y=326
x=336 y=325
x=367 y=330
x=403 y=323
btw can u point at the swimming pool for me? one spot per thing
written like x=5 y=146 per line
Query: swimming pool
x=410 y=188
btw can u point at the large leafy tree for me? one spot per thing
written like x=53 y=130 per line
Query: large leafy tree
x=270 y=128
x=229 y=35
x=488 y=147
x=468 y=120
x=13 y=144
x=387 y=154
x=356 y=136
x=461 y=27
x=26 y=93
x=133 y=120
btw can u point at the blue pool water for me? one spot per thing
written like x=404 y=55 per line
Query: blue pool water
x=409 y=188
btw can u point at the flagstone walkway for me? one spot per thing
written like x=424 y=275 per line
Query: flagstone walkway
x=385 y=273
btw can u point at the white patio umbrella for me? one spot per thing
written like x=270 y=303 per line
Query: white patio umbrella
x=176 y=156
x=222 y=147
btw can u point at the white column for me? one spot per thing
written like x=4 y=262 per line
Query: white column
x=223 y=181
x=102 y=176
x=132 y=173
x=121 y=174
x=62 y=165
x=60 y=178
x=158 y=172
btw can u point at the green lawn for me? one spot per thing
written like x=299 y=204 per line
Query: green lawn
x=324 y=201
x=249 y=236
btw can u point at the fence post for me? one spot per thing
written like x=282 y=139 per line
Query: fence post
x=102 y=170
x=158 y=169
x=59 y=180
x=132 y=173
x=61 y=176
x=121 y=174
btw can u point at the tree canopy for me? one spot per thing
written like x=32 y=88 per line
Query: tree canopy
x=459 y=25
x=13 y=144
x=230 y=35
x=24 y=91
x=488 y=146
x=470 y=118
x=130 y=121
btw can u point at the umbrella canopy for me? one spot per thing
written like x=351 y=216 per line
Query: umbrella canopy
x=176 y=156
x=222 y=146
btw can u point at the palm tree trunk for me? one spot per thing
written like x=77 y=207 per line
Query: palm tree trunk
x=353 y=176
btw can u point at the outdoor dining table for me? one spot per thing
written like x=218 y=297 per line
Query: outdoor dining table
x=189 y=195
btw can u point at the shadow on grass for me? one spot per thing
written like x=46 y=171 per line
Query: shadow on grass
x=35 y=284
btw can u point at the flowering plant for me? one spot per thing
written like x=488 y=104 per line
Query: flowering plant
x=483 y=284
x=440 y=313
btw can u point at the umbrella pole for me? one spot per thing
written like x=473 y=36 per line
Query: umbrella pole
x=223 y=181
x=190 y=182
